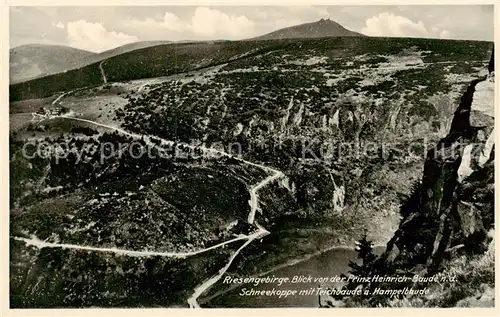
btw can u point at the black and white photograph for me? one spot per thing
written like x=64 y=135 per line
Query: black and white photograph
x=251 y=156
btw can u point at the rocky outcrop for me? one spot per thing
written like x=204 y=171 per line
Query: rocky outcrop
x=491 y=65
x=452 y=209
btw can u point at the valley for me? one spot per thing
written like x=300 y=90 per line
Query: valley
x=172 y=166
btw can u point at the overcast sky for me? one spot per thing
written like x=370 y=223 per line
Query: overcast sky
x=100 y=28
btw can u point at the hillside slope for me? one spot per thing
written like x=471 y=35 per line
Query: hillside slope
x=299 y=106
x=26 y=63
x=164 y=60
x=321 y=28
x=115 y=52
x=35 y=60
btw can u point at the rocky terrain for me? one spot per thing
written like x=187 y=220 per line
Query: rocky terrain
x=263 y=151
x=447 y=225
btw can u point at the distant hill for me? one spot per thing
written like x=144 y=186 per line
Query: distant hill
x=37 y=60
x=321 y=28
x=115 y=52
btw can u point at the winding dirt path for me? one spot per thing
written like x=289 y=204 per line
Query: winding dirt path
x=199 y=290
x=103 y=74
x=34 y=241
x=60 y=97
x=253 y=202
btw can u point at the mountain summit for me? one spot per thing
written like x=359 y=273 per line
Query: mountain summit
x=321 y=28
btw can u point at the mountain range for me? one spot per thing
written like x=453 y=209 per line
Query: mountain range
x=38 y=60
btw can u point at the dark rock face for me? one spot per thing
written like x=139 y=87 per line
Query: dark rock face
x=491 y=65
x=452 y=208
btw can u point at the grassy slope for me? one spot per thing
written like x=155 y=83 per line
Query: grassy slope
x=174 y=58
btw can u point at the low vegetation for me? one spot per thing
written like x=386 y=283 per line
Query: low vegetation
x=304 y=107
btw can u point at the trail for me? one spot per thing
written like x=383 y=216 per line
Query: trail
x=199 y=290
x=200 y=147
x=180 y=255
x=67 y=93
x=253 y=202
x=60 y=97
x=254 y=198
x=103 y=74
